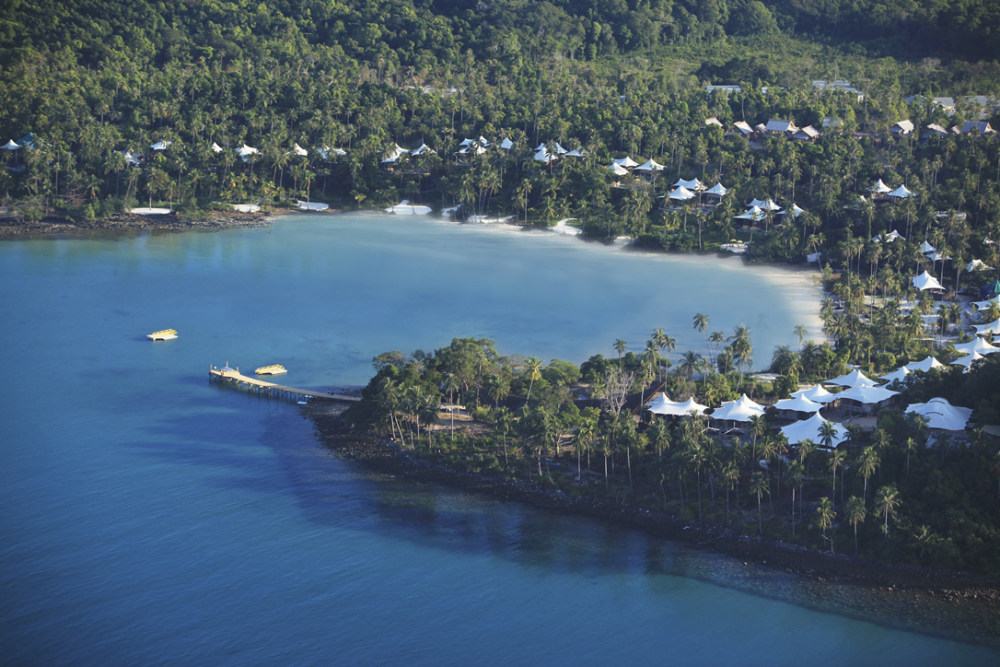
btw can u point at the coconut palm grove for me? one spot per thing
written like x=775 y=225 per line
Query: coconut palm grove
x=856 y=138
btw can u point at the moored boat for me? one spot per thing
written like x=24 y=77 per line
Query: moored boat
x=163 y=334
x=273 y=369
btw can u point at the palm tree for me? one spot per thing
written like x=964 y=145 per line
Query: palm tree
x=533 y=368
x=825 y=516
x=730 y=477
x=801 y=331
x=855 y=512
x=620 y=346
x=887 y=501
x=700 y=323
x=867 y=462
x=741 y=346
x=795 y=476
x=837 y=457
x=758 y=487
x=691 y=364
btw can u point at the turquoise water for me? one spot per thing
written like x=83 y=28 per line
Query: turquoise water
x=149 y=517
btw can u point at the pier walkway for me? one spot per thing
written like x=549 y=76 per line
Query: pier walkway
x=232 y=376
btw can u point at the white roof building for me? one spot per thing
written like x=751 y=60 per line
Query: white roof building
x=661 y=405
x=798 y=404
x=925 y=364
x=901 y=193
x=977 y=346
x=853 y=379
x=940 y=414
x=816 y=394
x=650 y=165
x=926 y=281
x=985 y=329
x=809 y=429
x=681 y=194
x=740 y=410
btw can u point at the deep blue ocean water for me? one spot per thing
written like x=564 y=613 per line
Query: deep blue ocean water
x=149 y=517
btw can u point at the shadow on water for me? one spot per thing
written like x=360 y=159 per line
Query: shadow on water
x=341 y=495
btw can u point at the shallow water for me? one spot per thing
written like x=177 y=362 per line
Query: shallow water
x=151 y=517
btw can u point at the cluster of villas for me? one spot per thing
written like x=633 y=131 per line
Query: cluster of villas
x=821 y=415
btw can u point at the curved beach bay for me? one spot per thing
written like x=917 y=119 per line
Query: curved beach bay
x=152 y=517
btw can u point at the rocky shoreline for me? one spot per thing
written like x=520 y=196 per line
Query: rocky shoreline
x=956 y=587
x=11 y=227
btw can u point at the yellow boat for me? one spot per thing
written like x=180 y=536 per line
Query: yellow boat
x=273 y=369
x=165 y=334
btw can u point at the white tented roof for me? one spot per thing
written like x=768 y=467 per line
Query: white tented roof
x=890 y=237
x=754 y=213
x=740 y=410
x=681 y=194
x=880 y=188
x=977 y=346
x=661 y=405
x=11 y=145
x=626 y=162
x=967 y=360
x=693 y=184
x=798 y=404
x=816 y=394
x=941 y=414
x=543 y=156
x=718 y=189
x=216 y=148
x=298 y=150
x=924 y=364
x=976 y=265
x=161 y=145
x=506 y=144
x=853 y=379
x=618 y=170
x=795 y=210
x=867 y=395
x=926 y=281
x=423 y=149
x=245 y=151
x=901 y=192
x=809 y=429
x=897 y=375
x=743 y=127
x=650 y=165
x=991 y=328
x=764 y=204
x=926 y=247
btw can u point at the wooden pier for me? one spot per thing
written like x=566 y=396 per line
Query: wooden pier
x=233 y=377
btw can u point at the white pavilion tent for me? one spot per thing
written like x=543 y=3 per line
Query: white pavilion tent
x=880 y=188
x=890 y=237
x=941 y=414
x=901 y=193
x=798 y=404
x=925 y=364
x=991 y=328
x=867 y=395
x=764 y=205
x=650 y=165
x=810 y=429
x=795 y=210
x=976 y=265
x=618 y=170
x=626 y=162
x=681 y=194
x=693 y=184
x=506 y=144
x=718 y=190
x=816 y=394
x=299 y=151
x=423 y=149
x=927 y=248
x=754 y=213
x=983 y=305
x=161 y=145
x=898 y=375
x=967 y=360
x=544 y=156
x=11 y=145
x=853 y=379
x=245 y=152
x=216 y=148
x=977 y=346
x=661 y=405
x=926 y=281
x=740 y=410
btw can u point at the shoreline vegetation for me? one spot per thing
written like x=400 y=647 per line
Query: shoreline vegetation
x=919 y=506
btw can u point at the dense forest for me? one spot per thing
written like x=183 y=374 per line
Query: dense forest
x=110 y=106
